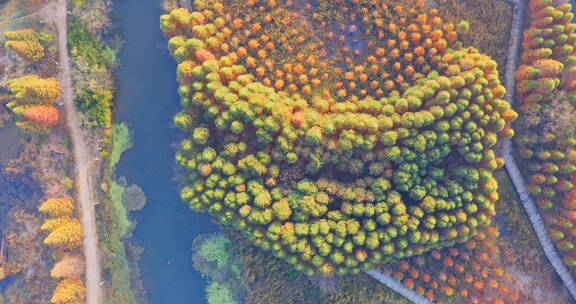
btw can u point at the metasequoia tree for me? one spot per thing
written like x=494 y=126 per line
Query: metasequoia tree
x=546 y=85
x=34 y=89
x=44 y=116
x=69 y=291
x=33 y=102
x=67 y=236
x=27 y=43
x=57 y=207
x=52 y=224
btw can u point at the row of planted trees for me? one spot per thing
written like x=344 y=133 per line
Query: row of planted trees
x=33 y=97
x=28 y=44
x=335 y=183
x=33 y=100
x=546 y=82
x=64 y=235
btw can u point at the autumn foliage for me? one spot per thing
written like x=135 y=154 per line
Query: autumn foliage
x=69 y=291
x=45 y=116
x=34 y=99
x=339 y=162
x=52 y=224
x=67 y=236
x=27 y=43
x=32 y=89
x=71 y=266
x=546 y=82
x=471 y=272
x=64 y=233
x=57 y=207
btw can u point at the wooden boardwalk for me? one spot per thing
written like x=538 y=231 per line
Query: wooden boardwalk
x=398 y=287
x=512 y=167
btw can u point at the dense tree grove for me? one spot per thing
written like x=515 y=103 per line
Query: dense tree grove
x=33 y=101
x=546 y=87
x=34 y=89
x=337 y=160
x=64 y=233
x=27 y=43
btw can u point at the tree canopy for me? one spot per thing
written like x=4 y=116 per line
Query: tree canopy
x=337 y=173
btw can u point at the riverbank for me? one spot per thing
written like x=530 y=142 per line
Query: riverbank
x=146 y=100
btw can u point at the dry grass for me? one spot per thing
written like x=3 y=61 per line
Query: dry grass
x=490 y=21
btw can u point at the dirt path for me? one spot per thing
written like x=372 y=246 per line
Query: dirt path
x=9 y=21
x=57 y=13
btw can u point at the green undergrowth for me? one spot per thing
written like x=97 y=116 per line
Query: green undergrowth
x=120 y=143
x=217 y=259
x=116 y=193
x=93 y=61
x=218 y=293
x=117 y=225
x=239 y=272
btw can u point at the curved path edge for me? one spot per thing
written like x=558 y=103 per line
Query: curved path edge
x=398 y=287
x=512 y=167
x=84 y=190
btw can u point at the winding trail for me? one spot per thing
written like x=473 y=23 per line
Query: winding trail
x=512 y=167
x=84 y=187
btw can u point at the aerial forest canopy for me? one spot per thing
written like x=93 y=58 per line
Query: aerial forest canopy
x=547 y=94
x=337 y=135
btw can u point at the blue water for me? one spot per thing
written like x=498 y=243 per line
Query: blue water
x=146 y=100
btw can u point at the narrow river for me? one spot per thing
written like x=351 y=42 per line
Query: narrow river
x=146 y=100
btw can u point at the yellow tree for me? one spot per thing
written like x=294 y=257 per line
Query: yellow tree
x=34 y=89
x=69 y=291
x=20 y=35
x=57 y=207
x=30 y=50
x=55 y=223
x=27 y=43
x=67 y=236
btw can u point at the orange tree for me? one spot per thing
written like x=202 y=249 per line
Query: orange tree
x=470 y=272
